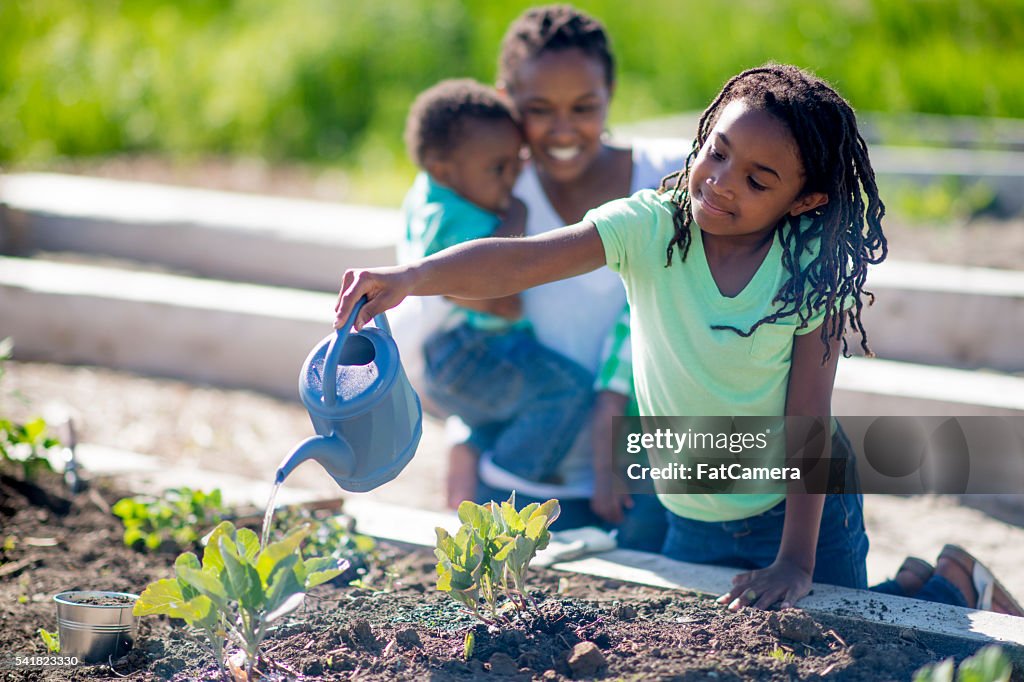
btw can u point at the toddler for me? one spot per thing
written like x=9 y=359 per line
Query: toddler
x=484 y=364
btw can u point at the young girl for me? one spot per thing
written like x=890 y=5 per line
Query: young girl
x=742 y=277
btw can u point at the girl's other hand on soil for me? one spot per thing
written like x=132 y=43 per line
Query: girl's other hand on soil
x=783 y=582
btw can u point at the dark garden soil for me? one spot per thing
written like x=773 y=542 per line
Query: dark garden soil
x=398 y=627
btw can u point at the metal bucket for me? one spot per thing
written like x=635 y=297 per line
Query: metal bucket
x=92 y=632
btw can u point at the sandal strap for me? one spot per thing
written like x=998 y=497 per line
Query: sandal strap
x=918 y=567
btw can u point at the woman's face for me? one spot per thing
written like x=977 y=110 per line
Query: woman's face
x=563 y=98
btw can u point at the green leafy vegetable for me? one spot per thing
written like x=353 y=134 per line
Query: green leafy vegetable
x=180 y=516
x=238 y=590
x=491 y=552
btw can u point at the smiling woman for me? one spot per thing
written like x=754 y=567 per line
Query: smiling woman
x=557 y=67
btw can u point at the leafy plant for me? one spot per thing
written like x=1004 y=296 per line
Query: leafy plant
x=180 y=516
x=236 y=593
x=51 y=640
x=989 y=664
x=491 y=552
x=23 y=445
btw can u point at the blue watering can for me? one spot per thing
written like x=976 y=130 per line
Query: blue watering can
x=367 y=418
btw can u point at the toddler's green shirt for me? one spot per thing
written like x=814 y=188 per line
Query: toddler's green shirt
x=436 y=218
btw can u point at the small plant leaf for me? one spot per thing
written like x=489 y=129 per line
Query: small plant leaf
x=187 y=560
x=536 y=527
x=268 y=561
x=283 y=583
x=322 y=569
x=51 y=640
x=510 y=518
x=206 y=583
x=550 y=510
x=160 y=597
x=248 y=544
x=198 y=611
x=212 y=560
x=240 y=579
x=468 y=645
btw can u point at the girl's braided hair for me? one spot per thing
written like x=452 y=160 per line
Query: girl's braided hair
x=550 y=29
x=835 y=161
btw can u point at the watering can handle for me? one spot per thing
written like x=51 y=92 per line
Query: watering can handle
x=333 y=355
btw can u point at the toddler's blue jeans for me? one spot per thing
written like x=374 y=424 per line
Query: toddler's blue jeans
x=538 y=398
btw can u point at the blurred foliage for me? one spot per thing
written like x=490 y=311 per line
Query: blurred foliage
x=325 y=81
x=24 y=446
x=945 y=200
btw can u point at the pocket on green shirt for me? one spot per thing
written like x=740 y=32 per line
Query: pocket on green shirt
x=772 y=342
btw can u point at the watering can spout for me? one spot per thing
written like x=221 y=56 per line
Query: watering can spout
x=331 y=452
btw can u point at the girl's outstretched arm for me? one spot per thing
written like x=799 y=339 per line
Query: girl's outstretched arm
x=482 y=268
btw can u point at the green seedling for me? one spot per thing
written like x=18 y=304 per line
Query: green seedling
x=491 y=552
x=180 y=516
x=780 y=654
x=468 y=645
x=238 y=591
x=51 y=640
x=989 y=664
x=23 y=445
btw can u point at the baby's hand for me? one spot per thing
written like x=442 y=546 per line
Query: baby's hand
x=782 y=581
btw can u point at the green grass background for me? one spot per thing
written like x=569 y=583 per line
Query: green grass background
x=328 y=82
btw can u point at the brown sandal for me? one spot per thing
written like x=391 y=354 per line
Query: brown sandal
x=913 y=574
x=919 y=568
x=992 y=596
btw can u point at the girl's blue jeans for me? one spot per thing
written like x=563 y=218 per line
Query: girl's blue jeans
x=530 y=400
x=753 y=542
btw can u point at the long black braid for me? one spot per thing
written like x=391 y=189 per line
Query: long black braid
x=835 y=160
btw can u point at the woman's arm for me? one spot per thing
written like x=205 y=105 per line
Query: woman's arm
x=483 y=268
x=809 y=395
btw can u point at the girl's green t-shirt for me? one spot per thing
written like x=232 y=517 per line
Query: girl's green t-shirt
x=682 y=367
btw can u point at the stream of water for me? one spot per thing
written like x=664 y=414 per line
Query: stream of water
x=268 y=515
